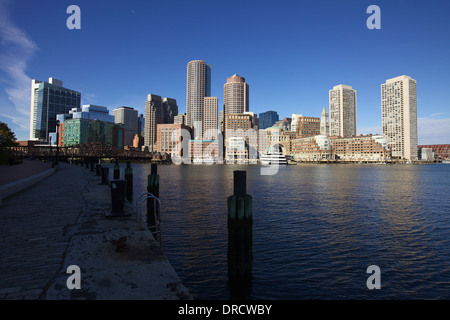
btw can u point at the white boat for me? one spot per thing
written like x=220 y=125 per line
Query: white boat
x=446 y=161
x=204 y=160
x=273 y=158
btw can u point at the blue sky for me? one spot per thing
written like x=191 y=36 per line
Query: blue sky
x=291 y=53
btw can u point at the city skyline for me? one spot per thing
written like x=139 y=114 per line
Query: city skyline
x=295 y=79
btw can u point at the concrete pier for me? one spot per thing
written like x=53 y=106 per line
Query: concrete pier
x=59 y=222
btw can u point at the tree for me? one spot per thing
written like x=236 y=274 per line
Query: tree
x=7 y=140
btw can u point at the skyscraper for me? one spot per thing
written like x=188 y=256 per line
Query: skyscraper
x=47 y=100
x=342 y=111
x=152 y=105
x=141 y=125
x=198 y=87
x=129 y=118
x=235 y=95
x=324 y=124
x=157 y=111
x=210 y=118
x=399 y=116
x=267 y=119
x=169 y=110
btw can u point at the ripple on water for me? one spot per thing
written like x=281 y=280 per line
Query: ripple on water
x=316 y=230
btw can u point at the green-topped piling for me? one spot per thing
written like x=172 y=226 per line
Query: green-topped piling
x=105 y=176
x=117 y=170
x=240 y=238
x=129 y=180
x=152 y=206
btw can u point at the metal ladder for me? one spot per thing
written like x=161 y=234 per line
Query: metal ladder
x=141 y=217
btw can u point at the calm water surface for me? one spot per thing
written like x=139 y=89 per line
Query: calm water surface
x=316 y=229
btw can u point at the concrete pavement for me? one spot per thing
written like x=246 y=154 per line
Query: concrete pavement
x=61 y=221
x=13 y=173
x=15 y=178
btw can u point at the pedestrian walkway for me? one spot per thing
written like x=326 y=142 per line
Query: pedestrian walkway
x=61 y=221
x=13 y=173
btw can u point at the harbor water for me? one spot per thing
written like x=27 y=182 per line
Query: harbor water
x=316 y=229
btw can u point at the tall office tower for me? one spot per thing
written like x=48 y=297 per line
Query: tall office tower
x=267 y=119
x=169 y=110
x=198 y=87
x=153 y=107
x=141 y=125
x=157 y=111
x=47 y=100
x=235 y=95
x=399 y=116
x=324 y=124
x=210 y=118
x=129 y=118
x=294 y=121
x=342 y=111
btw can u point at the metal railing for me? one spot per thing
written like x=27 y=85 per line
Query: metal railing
x=141 y=217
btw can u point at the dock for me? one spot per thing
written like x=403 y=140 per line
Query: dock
x=60 y=222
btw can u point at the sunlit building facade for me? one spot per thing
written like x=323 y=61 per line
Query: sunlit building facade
x=342 y=111
x=399 y=116
x=49 y=99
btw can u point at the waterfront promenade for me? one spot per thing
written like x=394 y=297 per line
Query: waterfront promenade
x=60 y=221
x=13 y=173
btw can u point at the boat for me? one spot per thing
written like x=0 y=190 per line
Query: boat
x=446 y=161
x=273 y=158
x=204 y=160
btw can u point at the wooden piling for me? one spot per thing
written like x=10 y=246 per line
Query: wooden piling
x=98 y=169
x=239 y=204
x=153 y=188
x=129 y=180
x=118 y=190
x=240 y=237
x=105 y=176
x=117 y=170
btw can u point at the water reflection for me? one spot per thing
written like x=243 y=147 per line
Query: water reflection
x=240 y=261
x=316 y=230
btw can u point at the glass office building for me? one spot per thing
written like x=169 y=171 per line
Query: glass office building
x=267 y=119
x=47 y=100
x=78 y=131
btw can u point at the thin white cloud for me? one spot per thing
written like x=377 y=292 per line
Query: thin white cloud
x=367 y=130
x=88 y=98
x=433 y=131
x=430 y=131
x=16 y=49
x=22 y=123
